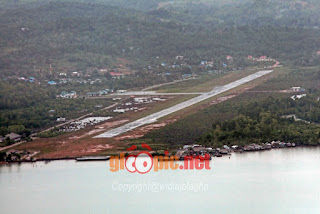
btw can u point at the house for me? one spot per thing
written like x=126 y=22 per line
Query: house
x=116 y=75
x=62 y=74
x=75 y=73
x=179 y=57
x=52 y=83
x=61 y=119
x=14 y=137
x=186 y=76
x=226 y=147
x=104 y=91
x=187 y=146
x=31 y=79
x=318 y=53
x=69 y=95
x=121 y=91
x=297 y=97
x=103 y=70
x=235 y=147
x=202 y=63
x=140 y=99
x=199 y=150
x=119 y=110
x=52 y=111
x=229 y=57
x=250 y=57
x=93 y=94
x=297 y=89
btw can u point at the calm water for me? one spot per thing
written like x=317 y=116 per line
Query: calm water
x=277 y=181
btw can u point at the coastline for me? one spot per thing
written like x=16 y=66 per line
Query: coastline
x=92 y=156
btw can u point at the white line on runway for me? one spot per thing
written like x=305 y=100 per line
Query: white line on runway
x=155 y=116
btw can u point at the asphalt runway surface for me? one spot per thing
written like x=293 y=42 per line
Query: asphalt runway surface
x=155 y=116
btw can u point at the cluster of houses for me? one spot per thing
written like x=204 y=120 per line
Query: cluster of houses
x=265 y=59
x=133 y=104
x=196 y=150
x=29 y=79
x=80 y=124
x=297 y=96
x=68 y=95
x=99 y=93
x=267 y=146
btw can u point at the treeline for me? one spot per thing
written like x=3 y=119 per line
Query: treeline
x=261 y=122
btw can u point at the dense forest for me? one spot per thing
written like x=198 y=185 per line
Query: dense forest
x=78 y=35
x=262 y=122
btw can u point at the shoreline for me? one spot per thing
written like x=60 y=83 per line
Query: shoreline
x=75 y=158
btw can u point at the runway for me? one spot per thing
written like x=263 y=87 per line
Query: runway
x=155 y=116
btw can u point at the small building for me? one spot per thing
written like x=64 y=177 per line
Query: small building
x=61 y=119
x=121 y=91
x=229 y=57
x=14 y=137
x=185 y=76
x=68 y=95
x=297 y=89
x=75 y=73
x=52 y=83
x=179 y=57
x=226 y=147
x=31 y=79
x=298 y=97
x=119 y=110
x=93 y=94
x=52 y=111
x=250 y=57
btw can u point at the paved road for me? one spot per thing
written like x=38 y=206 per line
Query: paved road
x=13 y=145
x=154 y=117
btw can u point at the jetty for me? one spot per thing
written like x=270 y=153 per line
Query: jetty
x=93 y=158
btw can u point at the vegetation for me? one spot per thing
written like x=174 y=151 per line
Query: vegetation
x=253 y=117
x=259 y=123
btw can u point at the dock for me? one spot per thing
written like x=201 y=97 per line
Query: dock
x=93 y=158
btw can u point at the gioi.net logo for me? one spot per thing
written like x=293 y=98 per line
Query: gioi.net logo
x=143 y=162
